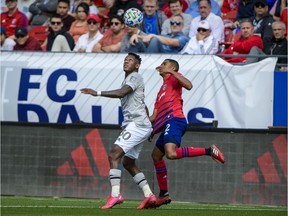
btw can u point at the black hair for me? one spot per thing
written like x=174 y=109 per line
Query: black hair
x=120 y=18
x=85 y=6
x=55 y=15
x=137 y=57
x=246 y=20
x=65 y=1
x=175 y=1
x=174 y=63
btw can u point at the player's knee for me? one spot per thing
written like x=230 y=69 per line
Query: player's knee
x=171 y=155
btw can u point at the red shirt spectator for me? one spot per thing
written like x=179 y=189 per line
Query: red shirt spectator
x=13 y=18
x=167 y=11
x=24 y=41
x=284 y=17
x=245 y=43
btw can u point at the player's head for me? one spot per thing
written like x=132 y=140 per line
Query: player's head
x=131 y=62
x=173 y=63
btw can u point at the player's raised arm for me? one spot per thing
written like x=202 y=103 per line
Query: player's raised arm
x=184 y=82
x=118 y=93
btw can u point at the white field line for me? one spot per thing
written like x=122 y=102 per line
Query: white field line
x=192 y=208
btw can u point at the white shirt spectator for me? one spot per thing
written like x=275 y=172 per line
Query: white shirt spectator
x=87 y=44
x=207 y=46
x=216 y=23
x=8 y=44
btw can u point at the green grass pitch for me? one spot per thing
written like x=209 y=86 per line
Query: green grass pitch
x=40 y=206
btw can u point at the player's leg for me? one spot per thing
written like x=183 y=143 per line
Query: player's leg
x=161 y=172
x=174 y=131
x=140 y=180
x=115 y=197
x=135 y=137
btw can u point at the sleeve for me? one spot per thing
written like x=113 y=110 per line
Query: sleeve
x=133 y=81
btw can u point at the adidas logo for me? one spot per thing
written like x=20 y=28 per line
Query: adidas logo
x=83 y=165
x=266 y=164
x=215 y=151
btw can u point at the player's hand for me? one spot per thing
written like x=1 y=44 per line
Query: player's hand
x=150 y=139
x=88 y=91
x=134 y=39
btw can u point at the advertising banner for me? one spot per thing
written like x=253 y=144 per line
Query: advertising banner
x=45 y=87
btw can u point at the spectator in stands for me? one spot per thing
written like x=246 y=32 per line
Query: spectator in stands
x=245 y=10
x=193 y=9
x=129 y=45
x=279 y=43
x=41 y=11
x=284 y=18
x=13 y=18
x=24 y=41
x=73 y=6
x=92 y=7
x=152 y=18
x=203 y=42
x=87 y=41
x=245 y=43
x=79 y=26
x=279 y=9
x=176 y=9
x=120 y=6
x=215 y=22
x=170 y=43
x=278 y=46
x=63 y=7
x=5 y=42
x=112 y=38
x=262 y=22
x=228 y=6
x=166 y=9
x=59 y=40
x=103 y=14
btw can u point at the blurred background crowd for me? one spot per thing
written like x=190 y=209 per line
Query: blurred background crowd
x=230 y=27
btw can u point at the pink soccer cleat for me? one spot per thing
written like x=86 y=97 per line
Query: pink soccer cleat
x=216 y=154
x=112 y=201
x=148 y=202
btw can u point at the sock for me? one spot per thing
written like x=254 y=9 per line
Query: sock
x=141 y=181
x=190 y=152
x=161 y=175
x=115 y=176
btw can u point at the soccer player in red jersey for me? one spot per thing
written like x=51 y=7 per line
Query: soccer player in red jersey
x=168 y=118
x=13 y=18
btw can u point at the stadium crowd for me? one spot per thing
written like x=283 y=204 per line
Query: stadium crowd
x=256 y=27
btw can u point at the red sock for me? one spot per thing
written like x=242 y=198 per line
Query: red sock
x=161 y=174
x=190 y=152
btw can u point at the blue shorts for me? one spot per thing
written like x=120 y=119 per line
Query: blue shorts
x=172 y=133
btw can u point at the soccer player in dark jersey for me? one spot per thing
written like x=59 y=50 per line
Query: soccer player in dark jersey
x=168 y=118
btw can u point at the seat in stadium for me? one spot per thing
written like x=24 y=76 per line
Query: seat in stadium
x=39 y=32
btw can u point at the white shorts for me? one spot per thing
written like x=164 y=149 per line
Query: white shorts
x=131 y=139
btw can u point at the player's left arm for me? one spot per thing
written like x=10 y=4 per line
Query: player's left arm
x=118 y=93
x=184 y=82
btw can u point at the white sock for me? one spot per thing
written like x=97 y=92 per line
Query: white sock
x=115 y=177
x=141 y=181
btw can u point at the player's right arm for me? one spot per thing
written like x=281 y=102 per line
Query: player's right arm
x=118 y=93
